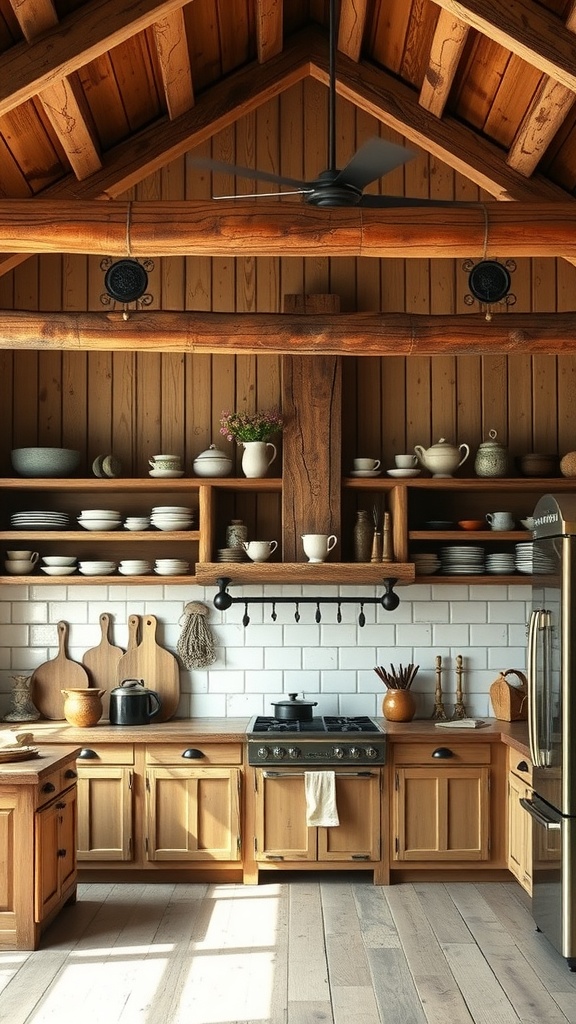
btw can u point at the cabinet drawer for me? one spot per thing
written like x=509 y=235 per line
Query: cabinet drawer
x=50 y=786
x=107 y=753
x=460 y=753
x=520 y=765
x=205 y=753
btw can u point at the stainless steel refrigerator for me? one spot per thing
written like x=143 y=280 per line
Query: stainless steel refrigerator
x=552 y=721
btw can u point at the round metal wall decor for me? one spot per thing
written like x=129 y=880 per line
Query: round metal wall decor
x=126 y=280
x=489 y=281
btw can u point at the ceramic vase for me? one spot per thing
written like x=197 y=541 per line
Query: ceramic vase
x=83 y=707
x=257 y=456
x=398 y=705
x=22 y=709
x=363 y=536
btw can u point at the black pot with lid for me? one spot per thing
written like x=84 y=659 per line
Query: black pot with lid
x=132 y=703
x=294 y=710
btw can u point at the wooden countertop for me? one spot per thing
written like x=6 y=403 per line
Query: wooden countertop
x=26 y=773
x=222 y=730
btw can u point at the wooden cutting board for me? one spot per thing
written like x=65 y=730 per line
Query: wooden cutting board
x=101 y=663
x=158 y=669
x=49 y=679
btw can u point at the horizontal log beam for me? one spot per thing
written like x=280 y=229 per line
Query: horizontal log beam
x=356 y=334
x=254 y=228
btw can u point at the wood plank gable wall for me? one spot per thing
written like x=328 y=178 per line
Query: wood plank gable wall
x=136 y=404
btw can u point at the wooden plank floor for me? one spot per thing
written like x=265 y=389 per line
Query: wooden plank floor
x=308 y=949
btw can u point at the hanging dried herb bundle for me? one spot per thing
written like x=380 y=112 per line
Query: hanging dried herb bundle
x=398 y=678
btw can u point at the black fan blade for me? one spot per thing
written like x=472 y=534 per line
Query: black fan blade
x=395 y=202
x=372 y=161
x=248 y=172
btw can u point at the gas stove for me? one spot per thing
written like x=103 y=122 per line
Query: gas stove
x=322 y=741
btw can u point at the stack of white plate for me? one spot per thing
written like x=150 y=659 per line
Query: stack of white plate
x=134 y=567
x=502 y=562
x=103 y=568
x=232 y=555
x=426 y=563
x=462 y=560
x=171 y=567
x=529 y=559
x=172 y=517
x=40 y=521
x=137 y=522
x=100 y=519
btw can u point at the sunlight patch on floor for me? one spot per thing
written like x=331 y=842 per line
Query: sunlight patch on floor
x=228 y=987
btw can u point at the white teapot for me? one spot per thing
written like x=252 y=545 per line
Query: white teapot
x=443 y=458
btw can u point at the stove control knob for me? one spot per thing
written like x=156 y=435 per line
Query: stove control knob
x=355 y=752
x=294 y=752
x=371 y=752
x=279 y=752
x=263 y=753
x=338 y=752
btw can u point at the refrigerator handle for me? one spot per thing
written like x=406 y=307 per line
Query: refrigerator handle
x=532 y=708
x=548 y=823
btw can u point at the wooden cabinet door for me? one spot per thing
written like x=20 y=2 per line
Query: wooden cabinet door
x=105 y=813
x=519 y=833
x=281 y=832
x=442 y=814
x=357 y=837
x=54 y=852
x=193 y=814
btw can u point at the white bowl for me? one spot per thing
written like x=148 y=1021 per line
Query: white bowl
x=170 y=572
x=173 y=508
x=97 y=565
x=59 y=560
x=100 y=513
x=99 y=524
x=168 y=473
x=96 y=572
x=133 y=572
x=58 y=570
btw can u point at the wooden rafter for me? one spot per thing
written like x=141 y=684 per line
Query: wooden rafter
x=358 y=334
x=351 y=27
x=269 y=35
x=63 y=101
x=445 y=52
x=174 y=62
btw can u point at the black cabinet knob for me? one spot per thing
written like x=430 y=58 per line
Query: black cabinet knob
x=522 y=767
x=86 y=754
x=48 y=787
x=193 y=753
x=442 y=753
x=70 y=774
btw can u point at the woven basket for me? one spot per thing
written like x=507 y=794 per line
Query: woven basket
x=510 y=703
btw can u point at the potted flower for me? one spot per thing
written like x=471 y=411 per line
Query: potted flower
x=253 y=430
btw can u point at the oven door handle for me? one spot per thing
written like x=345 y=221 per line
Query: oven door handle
x=293 y=775
x=550 y=824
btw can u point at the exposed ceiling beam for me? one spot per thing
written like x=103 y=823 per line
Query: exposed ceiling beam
x=87 y=33
x=445 y=53
x=548 y=110
x=269 y=34
x=355 y=334
x=351 y=27
x=63 y=101
x=526 y=29
x=174 y=61
x=264 y=228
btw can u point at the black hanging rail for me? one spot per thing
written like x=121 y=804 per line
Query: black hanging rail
x=388 y=600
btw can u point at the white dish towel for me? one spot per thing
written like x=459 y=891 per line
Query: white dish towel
x=321 y=799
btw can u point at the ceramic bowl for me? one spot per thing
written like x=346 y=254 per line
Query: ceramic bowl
x=58 y=570
x=472 y=524
x=64 y=560
x=99 y=524
x=39 y=462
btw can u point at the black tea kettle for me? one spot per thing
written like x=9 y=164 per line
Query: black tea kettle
x=132 y=703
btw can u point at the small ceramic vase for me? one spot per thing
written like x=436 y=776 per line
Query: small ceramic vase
x=491 y=457
x=398 y=705
x=83 y=707
x=236 y=534
x=22 y=709
x=363 y=534
x=257 y=457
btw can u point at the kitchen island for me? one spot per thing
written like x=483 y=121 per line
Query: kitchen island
x=37 y=842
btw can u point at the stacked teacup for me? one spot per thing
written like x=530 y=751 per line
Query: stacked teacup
x=21 y=563
x=165 y=465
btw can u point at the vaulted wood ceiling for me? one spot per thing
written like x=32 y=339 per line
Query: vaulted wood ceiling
x=97 y=94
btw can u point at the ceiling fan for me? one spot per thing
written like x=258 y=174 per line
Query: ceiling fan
x=334 y=187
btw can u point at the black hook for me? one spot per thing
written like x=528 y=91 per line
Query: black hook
x=245 y=617
x=223 y=601
x=318 y=615
x=273 y=615
x=390 y=600
x=361 y=617
x=339 y=613
x=297 y=612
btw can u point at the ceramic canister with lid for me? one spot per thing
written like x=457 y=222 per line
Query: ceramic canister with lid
x=491 y=458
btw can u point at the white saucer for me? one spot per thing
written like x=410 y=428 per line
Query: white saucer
x=167 y=473
x=365 y=472
x=403 y=472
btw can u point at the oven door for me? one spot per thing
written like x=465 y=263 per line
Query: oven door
x=553 y=874
x=282 y=833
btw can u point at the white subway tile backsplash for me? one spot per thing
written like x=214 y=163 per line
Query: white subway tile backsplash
x=330 y=662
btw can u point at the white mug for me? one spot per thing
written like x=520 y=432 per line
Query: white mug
x=366 y=465
x=406 y=461
x=259 y=550
x=318 y=545
x=500 y=520
x=23 y=556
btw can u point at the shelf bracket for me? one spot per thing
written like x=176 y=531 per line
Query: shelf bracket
x=223 y=600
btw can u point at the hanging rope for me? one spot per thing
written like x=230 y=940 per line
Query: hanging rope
x=195 y=646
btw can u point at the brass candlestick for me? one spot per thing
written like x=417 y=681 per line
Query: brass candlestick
x=459 y=709
x=438 y=711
